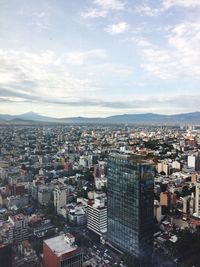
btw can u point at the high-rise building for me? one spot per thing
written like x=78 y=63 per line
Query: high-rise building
x=131 y=206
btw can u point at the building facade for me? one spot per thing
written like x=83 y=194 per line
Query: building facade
x=197 y=199
x=97 y=216
x=60 y=198
x=131 y=206
x=20 y=224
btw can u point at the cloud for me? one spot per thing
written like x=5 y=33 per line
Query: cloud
x=162 y=104
x=182 y=3
x=118 y=28
x=110 y=4
x=180 y=57
x=79 y=57
x=146 y=10
x=29 y=74
x=94 y=13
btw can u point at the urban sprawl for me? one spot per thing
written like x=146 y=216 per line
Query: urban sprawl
x=99 y=195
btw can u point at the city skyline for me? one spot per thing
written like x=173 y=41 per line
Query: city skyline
x=99 y=57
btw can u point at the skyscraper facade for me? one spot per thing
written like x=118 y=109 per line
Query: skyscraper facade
x=130 y=205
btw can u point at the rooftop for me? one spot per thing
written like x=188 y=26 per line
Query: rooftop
x=132 y=158
x=61 y=244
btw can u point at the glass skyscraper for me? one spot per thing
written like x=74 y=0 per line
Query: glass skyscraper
x=130 y=205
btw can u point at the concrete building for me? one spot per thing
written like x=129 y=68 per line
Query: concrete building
x=17 y=201
x=176 y=165
x=197 y=199
x=100 y=183
x=20 y=224
x=97 y=216
x=60 y=198
x=3 y=173
x=44 y=196
x=62 y=251
x=77 y=216
x=6 y=232
x=194 y=161
x=83 y=161
x=26 y=256
x=191 y=161
x=163 y=167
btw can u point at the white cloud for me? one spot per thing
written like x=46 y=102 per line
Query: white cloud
x=30 y=75
x=94 y=13
x=181 y=3
x=117 y=28
x=180 y=58
x=79 y=58
x=110 y=4
x=146 y=10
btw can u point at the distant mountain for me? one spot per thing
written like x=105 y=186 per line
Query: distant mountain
x=146 y=118
x=35 y=117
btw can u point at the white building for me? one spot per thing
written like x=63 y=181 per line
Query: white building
x=197 y=200
x=176 y=165
x=60 y=198
x=83 y=161
x=100 y=182
x=163 y=167
x=191 y=161
x=97 y=216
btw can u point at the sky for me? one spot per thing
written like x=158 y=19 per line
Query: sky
x=97 y=58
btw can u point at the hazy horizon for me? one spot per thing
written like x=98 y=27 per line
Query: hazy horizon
x=120 y=114
x=97 y=58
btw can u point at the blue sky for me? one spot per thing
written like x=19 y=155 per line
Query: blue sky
x=99 y=57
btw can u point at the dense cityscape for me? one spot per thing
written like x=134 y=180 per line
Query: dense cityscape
x=99 y=195
x=100 y=133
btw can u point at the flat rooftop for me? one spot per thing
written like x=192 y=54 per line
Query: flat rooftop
x=132 y=158
x=60 y=245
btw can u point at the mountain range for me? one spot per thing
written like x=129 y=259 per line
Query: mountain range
x=146 y=118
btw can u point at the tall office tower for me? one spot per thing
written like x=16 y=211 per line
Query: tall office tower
x=131 y=206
